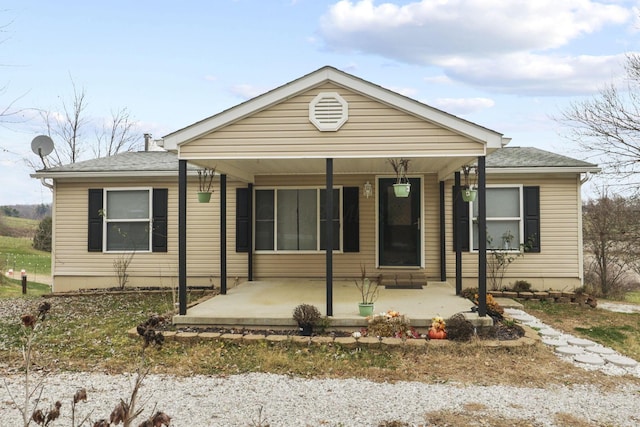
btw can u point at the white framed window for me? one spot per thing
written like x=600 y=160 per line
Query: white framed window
x=294 y=220
x=505 y=225
x=127 y=219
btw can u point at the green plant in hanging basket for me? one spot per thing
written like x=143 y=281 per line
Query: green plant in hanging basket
x=205 y=181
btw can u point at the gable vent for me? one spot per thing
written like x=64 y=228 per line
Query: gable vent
x=328 y=111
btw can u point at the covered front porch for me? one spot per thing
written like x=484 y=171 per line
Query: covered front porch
x=269 y=304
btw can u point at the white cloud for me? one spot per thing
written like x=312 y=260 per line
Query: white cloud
x=480 y=41
x=246 y=91
x=462 y=106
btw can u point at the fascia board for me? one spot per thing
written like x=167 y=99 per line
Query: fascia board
x=545 y=170
x=130 y=174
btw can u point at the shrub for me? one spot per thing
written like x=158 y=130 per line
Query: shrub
x=469 y=293
x=521 y=286
x=391 y=324
x=459 y=328
x=306 y=315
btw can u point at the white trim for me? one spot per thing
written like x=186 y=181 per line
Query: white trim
x=580 y=234
x=473 y=131
x=544 y=170
x=106 y=221
x=520 y=220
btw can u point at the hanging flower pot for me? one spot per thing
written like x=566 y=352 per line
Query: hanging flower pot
x=402 y=189
x=204 y=196
x=469 y=195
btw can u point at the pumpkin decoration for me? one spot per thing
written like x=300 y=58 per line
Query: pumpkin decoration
x=437 y=330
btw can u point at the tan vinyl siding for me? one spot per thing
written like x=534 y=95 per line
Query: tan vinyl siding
x=74 y=266
x=559 y=259
x=284 y=130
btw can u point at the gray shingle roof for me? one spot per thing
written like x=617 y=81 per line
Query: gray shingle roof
x=167 y=162
x=153 y=161
x=530 y=157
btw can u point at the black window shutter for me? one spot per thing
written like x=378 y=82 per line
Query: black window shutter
x=160 y=217
x=243 y=213
x=351 y=218
x=94 y=232
x=460 y=210
x=531 y=198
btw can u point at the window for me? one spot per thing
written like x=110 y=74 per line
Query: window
x=504 y=218
x=128 y=219
x=294 y=219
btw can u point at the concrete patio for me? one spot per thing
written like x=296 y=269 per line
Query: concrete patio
x=270 y=304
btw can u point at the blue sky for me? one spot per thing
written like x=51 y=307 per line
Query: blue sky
x=510 y=66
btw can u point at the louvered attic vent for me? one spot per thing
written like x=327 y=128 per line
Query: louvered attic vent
x=328 y=111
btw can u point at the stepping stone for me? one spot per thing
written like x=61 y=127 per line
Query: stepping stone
x=581 y=342
x=589 y=359
x=603 y=351
x=623 y=361
x=569 y=351
x=554 y=342
x=523 y=318
x=549 y=333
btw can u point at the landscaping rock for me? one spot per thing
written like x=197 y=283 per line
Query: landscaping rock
x=623 y=361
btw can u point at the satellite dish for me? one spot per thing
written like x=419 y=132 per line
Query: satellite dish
x=42 y=145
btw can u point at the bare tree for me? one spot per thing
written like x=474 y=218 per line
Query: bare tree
x=70 y=127
x=608 y=125
x=611 y=237
x=117 y=136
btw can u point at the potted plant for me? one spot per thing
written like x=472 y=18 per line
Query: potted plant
x=307 y=316
x=205 y=180
x=368 y=291
x=469 y=192
x=402 y=187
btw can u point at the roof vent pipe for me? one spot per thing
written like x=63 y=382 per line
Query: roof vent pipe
x=147 y=139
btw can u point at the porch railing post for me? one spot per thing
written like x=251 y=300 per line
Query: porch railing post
x=457 y=205
x=329 y=235
x=223 y=234
x=250 y=236
x=182 y=237
x=443 y=242
x=482 y=237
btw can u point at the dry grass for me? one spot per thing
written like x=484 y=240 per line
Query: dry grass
x=89 y=333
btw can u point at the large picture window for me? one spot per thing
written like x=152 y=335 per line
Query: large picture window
x=128 y=218
x=294 y=219
x=504 y=219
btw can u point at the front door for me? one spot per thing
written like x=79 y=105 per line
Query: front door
x=399 y=225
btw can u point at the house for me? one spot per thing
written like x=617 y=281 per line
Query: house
x=322 y=143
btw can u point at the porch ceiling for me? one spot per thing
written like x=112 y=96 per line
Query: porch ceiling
x=248 y=169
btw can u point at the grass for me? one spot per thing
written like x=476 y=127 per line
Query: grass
x=13 y=288
x=620 y=331
x=17 y=253
x=28 y=225
x=633 y=297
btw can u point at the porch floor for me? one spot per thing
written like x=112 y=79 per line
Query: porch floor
x=269 y=304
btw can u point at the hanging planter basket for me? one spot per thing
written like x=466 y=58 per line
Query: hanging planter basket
x=469 y=195
x=204 y=196
x=402 y=189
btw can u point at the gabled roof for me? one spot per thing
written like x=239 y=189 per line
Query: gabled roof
x=162 y=163
x=321 y=76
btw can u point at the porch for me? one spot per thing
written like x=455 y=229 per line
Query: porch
x=270 y=304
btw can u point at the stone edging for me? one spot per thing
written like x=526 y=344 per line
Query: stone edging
x=530 y=337
x=549 y=296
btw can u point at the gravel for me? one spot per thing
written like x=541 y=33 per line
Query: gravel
x=285 y=401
